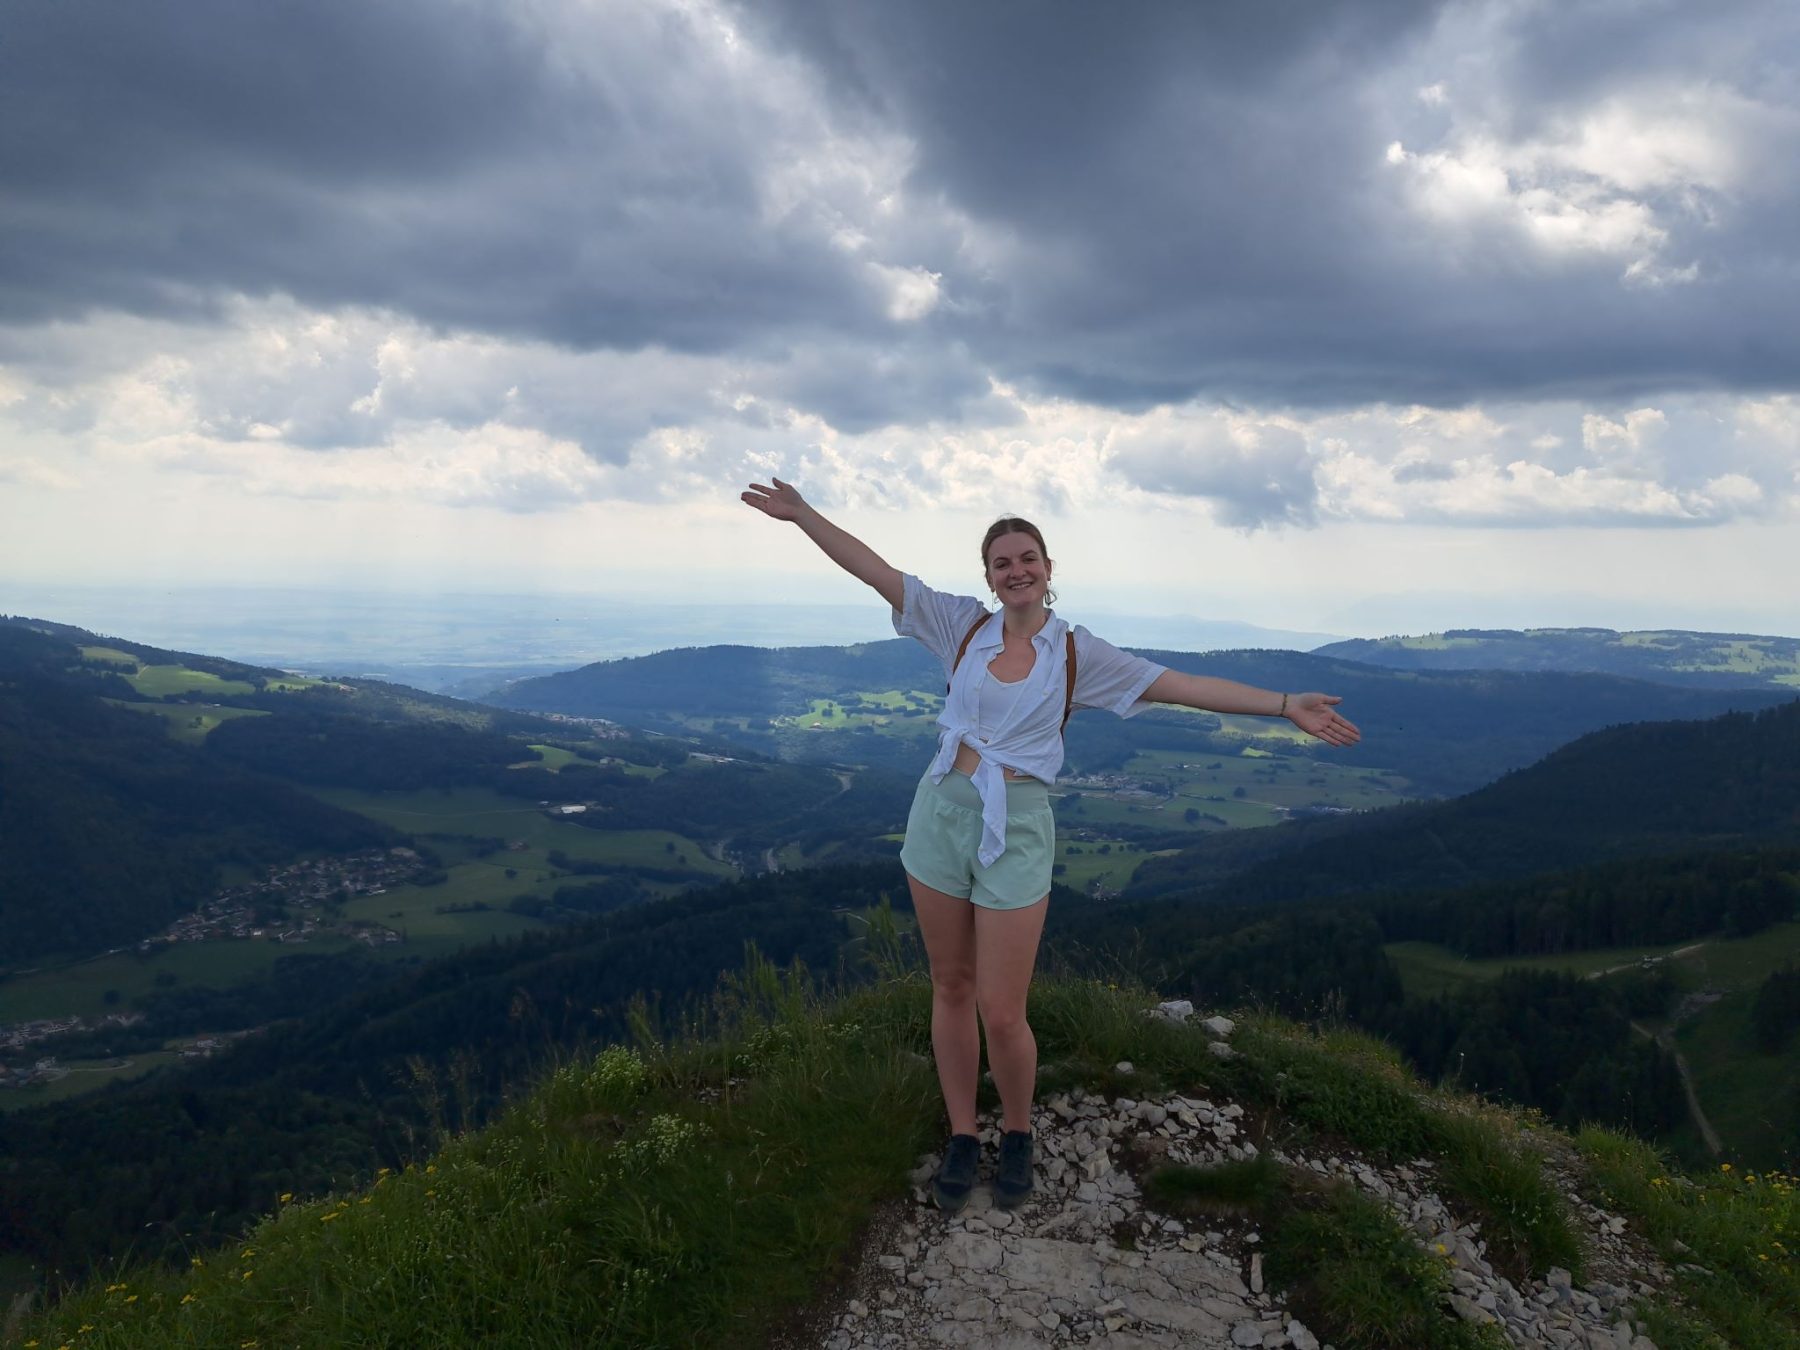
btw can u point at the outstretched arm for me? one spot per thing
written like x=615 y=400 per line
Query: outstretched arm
x=1312 y=713
x=783 y=502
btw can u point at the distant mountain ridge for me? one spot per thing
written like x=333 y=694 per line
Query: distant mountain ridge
x=1446 y=731
x=1696 y=660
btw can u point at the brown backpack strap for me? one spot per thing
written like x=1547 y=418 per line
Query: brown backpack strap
x=1069 y=684
x=968 y=637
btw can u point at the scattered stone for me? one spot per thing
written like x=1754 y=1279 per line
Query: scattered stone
x=1053 y=1272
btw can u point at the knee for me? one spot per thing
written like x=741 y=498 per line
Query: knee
x=1003 y=1020
x=953 y=984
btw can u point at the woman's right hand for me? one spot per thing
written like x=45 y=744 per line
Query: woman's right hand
x=781 y=502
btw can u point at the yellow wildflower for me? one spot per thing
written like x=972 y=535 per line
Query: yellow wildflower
x=335 y=1214
x=248 y=1274
x=187 y=1298
x=195 y=1261
x=131 y=1298
x=287 y=1197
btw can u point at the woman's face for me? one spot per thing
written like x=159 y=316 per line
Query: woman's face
x=1017 y=570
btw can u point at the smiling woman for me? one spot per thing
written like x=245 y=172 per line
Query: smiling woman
x=981 y=838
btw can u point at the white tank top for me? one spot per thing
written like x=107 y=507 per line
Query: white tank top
x=993 y=701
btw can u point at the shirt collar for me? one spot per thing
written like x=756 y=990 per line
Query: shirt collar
x=993 y=633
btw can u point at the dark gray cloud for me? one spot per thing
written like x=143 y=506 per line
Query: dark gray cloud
x=1133 y=205
x=516 y=170
x=1203 y=206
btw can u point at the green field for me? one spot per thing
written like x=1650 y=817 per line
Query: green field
x=1086 y=865
x=1732 y=1079
x=190 y=722
x=1737 y=1083
x=1098 y=811
x=80 y=989
x=480 y=812
x=1426 y=969
x=160 y=681
x=551 y=757
x=84 y=1076
x=108 y=656
x=884 y=711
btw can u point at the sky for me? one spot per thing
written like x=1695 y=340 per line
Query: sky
x=1351 y=318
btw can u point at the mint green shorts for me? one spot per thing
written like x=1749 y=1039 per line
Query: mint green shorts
x=943 y=832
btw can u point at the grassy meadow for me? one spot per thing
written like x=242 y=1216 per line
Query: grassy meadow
x=84 y=1076
x=80 y=990
x=189 y=722
x=1732 y=1079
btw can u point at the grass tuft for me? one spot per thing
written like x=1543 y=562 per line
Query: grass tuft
x=1353 y=1271
x=1225 y=1188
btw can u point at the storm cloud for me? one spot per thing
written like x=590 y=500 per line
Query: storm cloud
x=1406 y=260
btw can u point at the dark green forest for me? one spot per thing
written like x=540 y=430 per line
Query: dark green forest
x=108 y=829
x=1637 y=790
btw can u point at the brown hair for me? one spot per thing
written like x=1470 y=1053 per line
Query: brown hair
x=1010 y=525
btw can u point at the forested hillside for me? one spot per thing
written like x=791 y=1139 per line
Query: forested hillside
x=156 y=1167
x=108 y=828
x=1659 y=788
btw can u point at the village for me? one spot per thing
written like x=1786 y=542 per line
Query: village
x=264 y=909
x=292 y=904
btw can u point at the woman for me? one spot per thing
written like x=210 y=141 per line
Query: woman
x=980 y=837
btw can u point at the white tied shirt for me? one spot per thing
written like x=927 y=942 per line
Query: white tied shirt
x=1028 y=738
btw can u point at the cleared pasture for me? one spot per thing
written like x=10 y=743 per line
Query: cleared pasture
x=80 y=989
x=190 y=722
x=108 y=656
x=483 y=813
x=1735 y=1082
x=161 y=681
x=1084 y=864
x=84 y=1076
x=551 y=757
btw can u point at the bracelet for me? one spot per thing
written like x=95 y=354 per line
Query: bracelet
x=1282 y=712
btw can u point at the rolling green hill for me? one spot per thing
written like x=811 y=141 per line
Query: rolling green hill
x=1695 y=660
x=1656 y=788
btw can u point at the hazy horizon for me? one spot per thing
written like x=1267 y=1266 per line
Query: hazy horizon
x=425 y=637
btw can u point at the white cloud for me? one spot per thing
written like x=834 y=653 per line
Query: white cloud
x=1630 y=177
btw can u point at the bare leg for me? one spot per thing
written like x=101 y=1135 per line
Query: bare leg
x=1006 y=944
x=947 y=924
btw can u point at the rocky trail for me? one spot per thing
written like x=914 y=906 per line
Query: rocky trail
x=1084 y=1262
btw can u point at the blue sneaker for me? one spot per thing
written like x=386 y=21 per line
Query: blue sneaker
x=956 y=1176
x=1013 y=1183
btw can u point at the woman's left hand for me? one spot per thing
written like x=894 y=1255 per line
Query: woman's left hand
x=1313 y=714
